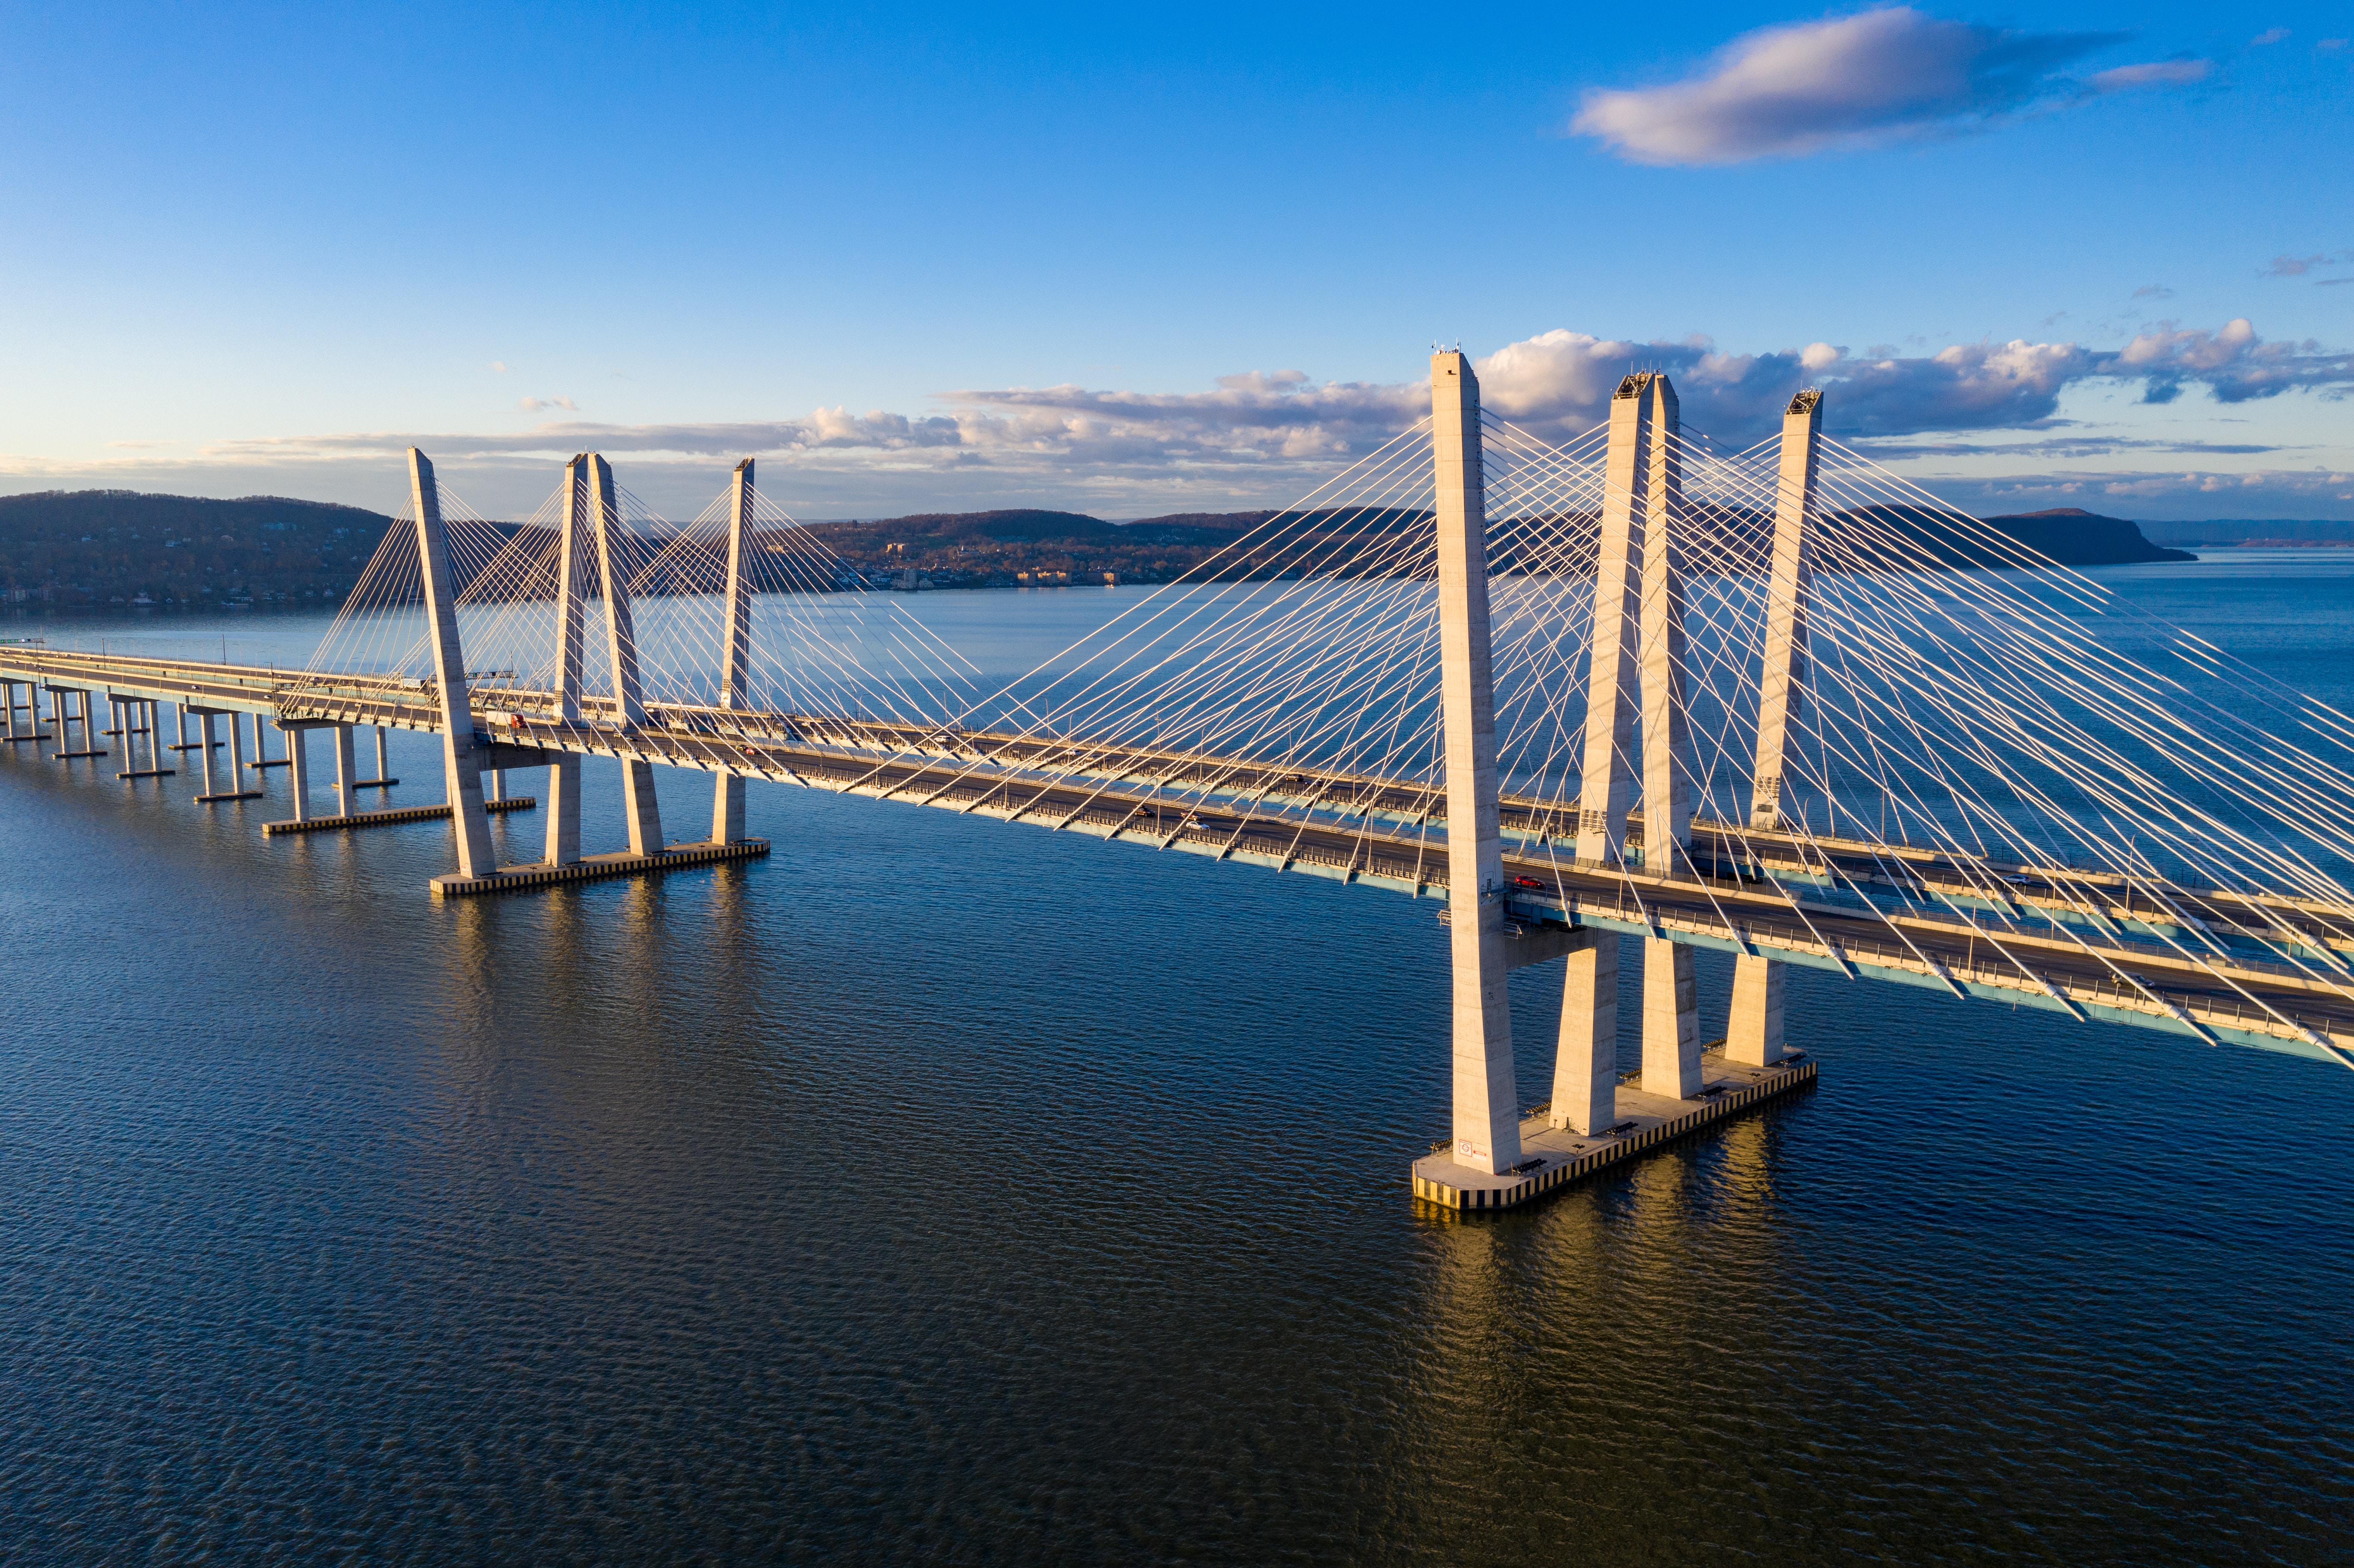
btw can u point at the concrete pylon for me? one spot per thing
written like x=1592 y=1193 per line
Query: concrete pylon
x=1753 y=1033
x=1585 y=1083
x=1586 y=1069
x=638 y=802
x=1785 y=602
x=735 y=659
x=1667 y=785
x=1487 y=1098
x=298 y=768
x=461 y=758
x=1670 y=997
x=573 y=552
x=346 y=769
x=1612 y=675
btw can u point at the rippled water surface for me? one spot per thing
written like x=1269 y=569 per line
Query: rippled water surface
x=937 y=1190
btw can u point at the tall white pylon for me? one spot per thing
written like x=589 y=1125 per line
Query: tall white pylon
x=638 y=802
x=1612 y=692
x=735 y=659
x=1753 y=1033
x=1670 y=997
x=462 y=759
x=1487 y=1099
x=572 y=554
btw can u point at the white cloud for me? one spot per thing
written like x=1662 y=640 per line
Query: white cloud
x=499 y=366
x=2154 y=73
x=533 y=405
x=2269 y=36
x=1264 y=438
x=1852 y=83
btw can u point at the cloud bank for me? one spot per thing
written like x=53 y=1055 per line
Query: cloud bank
x=1261 y=438
x=1854 y=83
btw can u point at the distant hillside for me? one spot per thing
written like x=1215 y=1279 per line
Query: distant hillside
x=2070 y=536
x=111 y=547
x=2247 y=530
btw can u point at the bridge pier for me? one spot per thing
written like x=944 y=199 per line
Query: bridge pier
x=261 y=758
x=1586 y=1065
x=298 y=768
x=207 y=744
x=63 y=722
x=384 y=778
x=563 y=809
x=153 y=730
x=31 y=708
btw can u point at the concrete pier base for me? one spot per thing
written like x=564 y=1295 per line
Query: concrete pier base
x=1551 y=1157
x=388 y=819
x=591 y=868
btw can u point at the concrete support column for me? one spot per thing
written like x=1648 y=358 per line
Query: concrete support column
x=346 y=770
x=562 y=809
x=1670 y=1021
x=236 y=752
x=638 y=807
x=1586 y=1070
x=383 y=771
x=298 y=770
x=462 y=765
x=1612 y=693
x=10 y=687
x=495 y=784
x=728 y=809
x=205 y=746
x=1753 y=1034
x=735 y=659
x=1487 y=1099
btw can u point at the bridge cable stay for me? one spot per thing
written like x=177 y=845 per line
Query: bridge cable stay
x=1965 y=705
x=1889 y=732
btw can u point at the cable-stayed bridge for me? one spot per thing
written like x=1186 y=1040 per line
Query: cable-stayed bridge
x=1775 y=701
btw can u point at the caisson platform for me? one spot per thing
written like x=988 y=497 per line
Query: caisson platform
x=1553 y=1157
x=387 y=818
x=589 y=868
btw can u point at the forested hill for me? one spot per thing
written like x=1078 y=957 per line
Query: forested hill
x=119 y=547
x=111 y=547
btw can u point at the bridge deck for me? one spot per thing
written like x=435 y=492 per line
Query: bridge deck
x=1889 y=912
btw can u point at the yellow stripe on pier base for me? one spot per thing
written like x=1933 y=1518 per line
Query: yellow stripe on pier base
x=387 y=818
x=589 y=868
x=1438 y=1180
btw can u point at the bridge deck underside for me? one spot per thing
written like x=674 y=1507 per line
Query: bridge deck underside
x=1813 y=902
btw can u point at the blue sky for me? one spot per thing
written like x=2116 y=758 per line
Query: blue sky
x=1133 y=262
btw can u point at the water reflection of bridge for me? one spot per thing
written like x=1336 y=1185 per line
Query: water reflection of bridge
x=1698 y=699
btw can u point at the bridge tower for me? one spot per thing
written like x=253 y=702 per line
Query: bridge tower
x=461 y=760
x=572 y=569
x=1754 y=1033
x=638 y=802
x=735 y=659
x=1487 y=1125
x=1670 y=997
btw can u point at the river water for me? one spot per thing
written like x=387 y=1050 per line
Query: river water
x=941 y=1190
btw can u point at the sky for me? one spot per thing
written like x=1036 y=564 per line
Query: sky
x=1132 y=260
